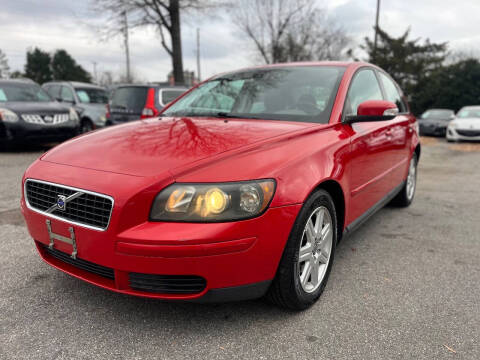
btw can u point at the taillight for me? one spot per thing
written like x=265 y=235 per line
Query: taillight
x=107 y=113
x=149 y=110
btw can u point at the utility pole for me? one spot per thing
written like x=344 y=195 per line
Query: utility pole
x=94 y=70
x=199 y=76
x=376 y=31
x=127 y=50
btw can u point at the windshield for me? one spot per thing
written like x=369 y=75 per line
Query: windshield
x=23 y=92
x=92 y=96
x=130 y=98
x=302 y=93
x=469 y=113
x=438 y=114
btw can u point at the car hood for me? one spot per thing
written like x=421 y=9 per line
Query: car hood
x=23 y=107
x=468 y=123
x=151 y=147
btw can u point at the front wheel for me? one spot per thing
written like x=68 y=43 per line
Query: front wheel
x=308 y=255
x=86 y=126
x=406 y=195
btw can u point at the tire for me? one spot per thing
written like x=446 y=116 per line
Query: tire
x=406 y=195
x=86 y=126
x=287 y=289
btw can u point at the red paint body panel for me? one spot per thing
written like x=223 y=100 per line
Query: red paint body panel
x=132 y=163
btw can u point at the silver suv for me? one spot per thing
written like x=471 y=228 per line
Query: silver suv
x=89 y=101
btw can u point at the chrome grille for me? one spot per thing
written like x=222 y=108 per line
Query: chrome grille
x=46 y=119
x=80 y=207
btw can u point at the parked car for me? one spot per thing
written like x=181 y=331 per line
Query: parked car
x=466 y=126
x=242 y=188
x=133 y=102
x=29 y=114
x=434 y=121
x=89 y=101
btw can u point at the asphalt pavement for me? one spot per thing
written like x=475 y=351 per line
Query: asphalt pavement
x=406 y=285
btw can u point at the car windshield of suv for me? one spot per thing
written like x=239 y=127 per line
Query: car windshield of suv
x=301 y=93
x=130 y=98
x=437 y=114
x=469 y=113
x=92 y=96
x=23 y=92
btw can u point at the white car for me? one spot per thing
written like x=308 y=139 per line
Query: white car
x=466 y=125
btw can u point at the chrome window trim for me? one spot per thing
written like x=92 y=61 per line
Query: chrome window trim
x=69 y=188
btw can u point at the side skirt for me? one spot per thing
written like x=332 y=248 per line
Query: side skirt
x=367 y=214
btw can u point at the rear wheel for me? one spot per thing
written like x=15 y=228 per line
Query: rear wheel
x=308 y=256
x=406 y=195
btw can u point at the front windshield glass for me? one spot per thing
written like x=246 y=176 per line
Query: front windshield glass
x=92 y=96
x=302 y=93
x=23 y=92
x=469 y=113
x=437 y=114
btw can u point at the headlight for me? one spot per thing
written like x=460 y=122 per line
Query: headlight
x=8 y=116
x=452 y=125
x=214 y=202
x=73 y=115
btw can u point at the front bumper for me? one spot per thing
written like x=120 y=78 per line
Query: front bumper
x=432 y=129
x=27 y=132
x=462 y=134
x=237 y=260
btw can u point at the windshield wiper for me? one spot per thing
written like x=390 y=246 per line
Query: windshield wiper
x=223 y=114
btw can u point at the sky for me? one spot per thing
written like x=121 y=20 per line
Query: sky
x=73 y=26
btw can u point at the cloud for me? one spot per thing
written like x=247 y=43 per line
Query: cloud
x=54 y=24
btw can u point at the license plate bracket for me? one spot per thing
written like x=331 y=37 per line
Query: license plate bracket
x=69 y=240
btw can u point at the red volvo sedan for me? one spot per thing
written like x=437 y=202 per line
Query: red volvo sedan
x=241 y=188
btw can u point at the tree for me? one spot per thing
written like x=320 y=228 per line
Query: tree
x=17 y=75
x=409 y=62
x=4 y=68
x=64 y=67
x=164 y=15
x=37 y=67
x=452 y=86
x=290 y=30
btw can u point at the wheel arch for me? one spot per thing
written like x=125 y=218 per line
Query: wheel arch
x=418 y=150
x=336 y=192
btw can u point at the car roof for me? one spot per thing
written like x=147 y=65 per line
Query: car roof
x=17 y=81
x=346 y=64
x=76 y=84
x=441 y=109
x=164 y=87
x=471 y=107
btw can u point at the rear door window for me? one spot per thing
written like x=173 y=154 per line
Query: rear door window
x=168 y=95
x=131 y=99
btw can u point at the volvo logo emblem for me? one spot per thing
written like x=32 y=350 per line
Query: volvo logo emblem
x=61 y=202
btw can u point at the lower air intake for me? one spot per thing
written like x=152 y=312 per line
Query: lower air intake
x=167 y=284
x=81 y=264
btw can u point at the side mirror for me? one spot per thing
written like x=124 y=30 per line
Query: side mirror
x=373 y=110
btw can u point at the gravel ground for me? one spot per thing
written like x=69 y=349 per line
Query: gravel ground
x=404 y=286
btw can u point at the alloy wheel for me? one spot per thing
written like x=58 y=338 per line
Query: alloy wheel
x=315 y=249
